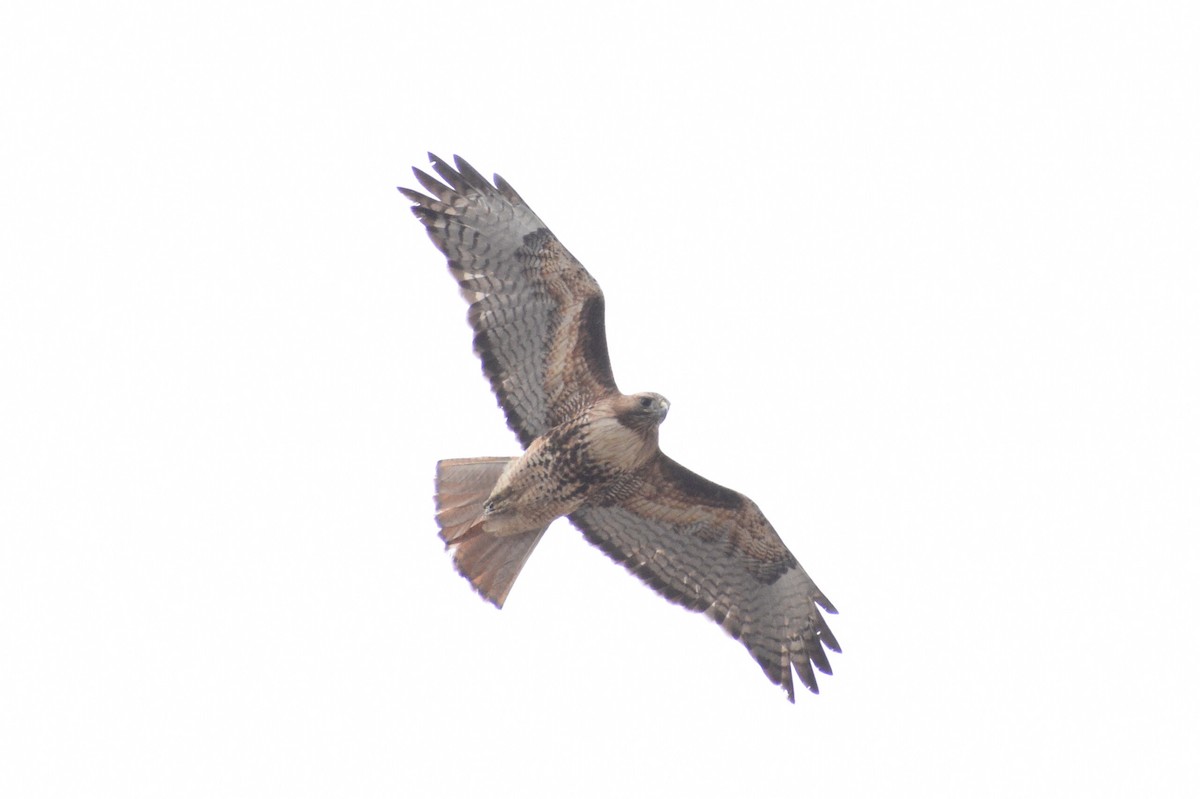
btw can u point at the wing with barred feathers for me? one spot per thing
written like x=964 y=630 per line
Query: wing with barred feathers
x=538 y=315
x=712 y=550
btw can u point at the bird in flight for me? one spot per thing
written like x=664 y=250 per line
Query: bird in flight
x=591 y=452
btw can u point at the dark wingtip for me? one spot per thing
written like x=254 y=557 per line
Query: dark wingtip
x=825 y=604
x=816 y=654
x=413 y=196
x=472 y=176
x=429 y=182
x=808 y=677
x=438 y=163
x=423 y=213
x=507 y=190
x=805 y=670
x=827 y=637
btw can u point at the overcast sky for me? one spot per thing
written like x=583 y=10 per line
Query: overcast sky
x=922 y=279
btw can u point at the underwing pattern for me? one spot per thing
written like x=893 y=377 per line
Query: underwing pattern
x=591 y=453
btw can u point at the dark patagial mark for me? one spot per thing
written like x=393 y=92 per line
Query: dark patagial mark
x=694 y=485
x=593 y=342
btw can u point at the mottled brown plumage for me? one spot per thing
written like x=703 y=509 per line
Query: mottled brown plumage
x=591 y=452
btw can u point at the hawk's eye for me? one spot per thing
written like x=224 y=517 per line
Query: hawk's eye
x=646 y=402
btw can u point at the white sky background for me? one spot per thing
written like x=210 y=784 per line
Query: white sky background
x=922 y=279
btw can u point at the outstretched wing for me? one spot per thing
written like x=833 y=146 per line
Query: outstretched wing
x=711 y=549
x=538 y=315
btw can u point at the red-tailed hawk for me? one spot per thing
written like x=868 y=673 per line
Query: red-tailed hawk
x=591 y=452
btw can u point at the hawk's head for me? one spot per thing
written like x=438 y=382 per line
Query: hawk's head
x=644 y=411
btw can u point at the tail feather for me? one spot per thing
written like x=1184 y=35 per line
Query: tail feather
x=490 y=562
x=462 y=486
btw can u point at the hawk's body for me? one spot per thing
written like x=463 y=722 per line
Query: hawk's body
x=574 y=463
x=591 y=452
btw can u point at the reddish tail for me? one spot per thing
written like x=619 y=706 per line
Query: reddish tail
x=490 y=562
